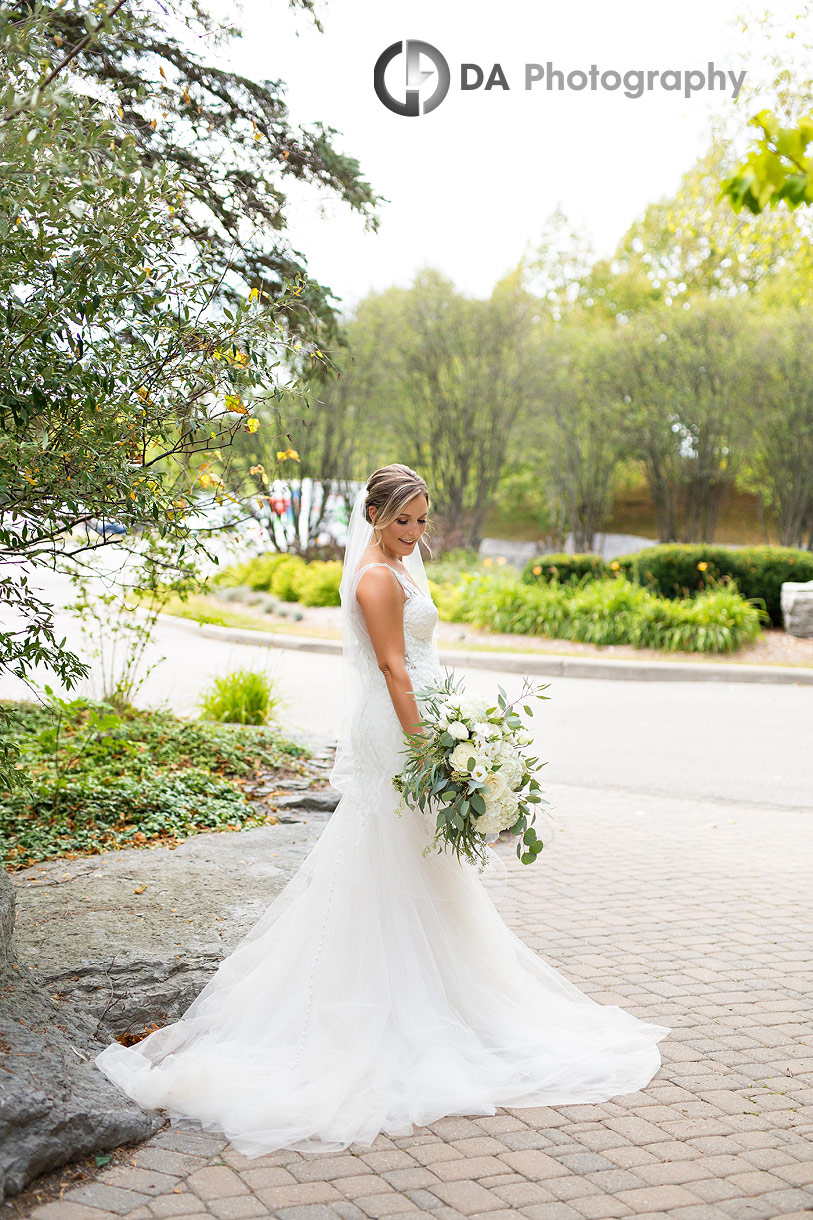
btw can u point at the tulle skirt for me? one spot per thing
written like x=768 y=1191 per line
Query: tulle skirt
x=381 y=988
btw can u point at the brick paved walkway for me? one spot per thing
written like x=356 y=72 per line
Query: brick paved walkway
x=697 y=915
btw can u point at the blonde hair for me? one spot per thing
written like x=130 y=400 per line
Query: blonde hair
x=389 y=490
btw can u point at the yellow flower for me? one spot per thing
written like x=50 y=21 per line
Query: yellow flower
x=702 y=566
x=253 y=295
x=284 y=454
x=500 y=559
x=615 y=565
x=488 y=561
x=252 y=424
x=537 y=571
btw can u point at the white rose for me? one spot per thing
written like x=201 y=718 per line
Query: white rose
x=458 y=729
x=496 y=785
x=460 y=756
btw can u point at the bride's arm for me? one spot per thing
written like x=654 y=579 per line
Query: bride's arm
x=382 y=602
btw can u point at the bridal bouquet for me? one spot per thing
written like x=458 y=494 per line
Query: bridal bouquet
x=472 y=768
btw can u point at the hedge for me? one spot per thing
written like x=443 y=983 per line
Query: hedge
x=758 y=572
x=564 y=569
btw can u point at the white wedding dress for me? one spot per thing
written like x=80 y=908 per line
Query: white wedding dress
x=381 y=987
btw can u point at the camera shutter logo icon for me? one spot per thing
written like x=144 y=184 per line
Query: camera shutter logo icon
x=415 y=77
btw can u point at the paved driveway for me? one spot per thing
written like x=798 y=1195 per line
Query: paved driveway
x=677 y=886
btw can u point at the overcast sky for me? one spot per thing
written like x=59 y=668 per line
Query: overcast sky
x=470 y=185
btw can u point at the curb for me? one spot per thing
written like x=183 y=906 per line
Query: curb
x=624 y=670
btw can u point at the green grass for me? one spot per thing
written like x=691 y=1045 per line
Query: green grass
x=244 y=696
x=147 y=778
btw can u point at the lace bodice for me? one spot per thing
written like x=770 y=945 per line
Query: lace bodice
x=420 y=621
x=376 y=733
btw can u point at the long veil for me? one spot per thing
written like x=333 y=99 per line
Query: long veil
x=359 y=534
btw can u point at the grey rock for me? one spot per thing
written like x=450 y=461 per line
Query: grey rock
x=324 y=800
x=797 y=608
x=132 y=936
x=55 y=1106
x=110 y=944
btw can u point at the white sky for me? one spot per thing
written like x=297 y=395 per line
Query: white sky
x=470 y=185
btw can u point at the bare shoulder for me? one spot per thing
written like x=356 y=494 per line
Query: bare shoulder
x=376 y=586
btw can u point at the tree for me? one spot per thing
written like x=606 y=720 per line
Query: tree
x=776 y=168
x=461 y=390
x=683 y=378
x=114 y=356
x=780 y=461
x=575 y=431
x=232 y=141
x=692 y=244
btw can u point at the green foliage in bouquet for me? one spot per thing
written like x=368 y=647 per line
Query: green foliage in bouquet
x=470 y=771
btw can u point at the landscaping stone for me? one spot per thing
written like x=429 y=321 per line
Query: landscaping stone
x=55 y=1107
x=796 y=599
x=134 y=935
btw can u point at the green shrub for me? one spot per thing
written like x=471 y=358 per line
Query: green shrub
x=623 y=565
x=682 y=569
x=609 y=611
x=757 y=572
x=318 y=584
x=241 y=697
x=564 y=569
x=255 y=573
x=446 y=596
x=454 y=564
x=286 y=578
x=761 y=570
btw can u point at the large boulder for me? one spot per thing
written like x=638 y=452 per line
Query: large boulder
x=113 y=945
x=55 y=1105
x=797 y=608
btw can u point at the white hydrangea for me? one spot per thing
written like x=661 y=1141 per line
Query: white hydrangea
x=499 y=815
x=511 y=765
x=473 y=707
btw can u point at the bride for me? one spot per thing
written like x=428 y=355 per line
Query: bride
x=381 y=988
